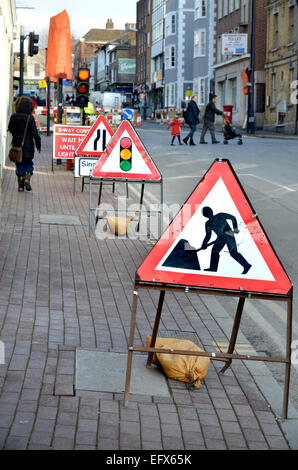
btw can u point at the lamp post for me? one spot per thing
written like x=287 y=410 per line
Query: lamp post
x=251 y=96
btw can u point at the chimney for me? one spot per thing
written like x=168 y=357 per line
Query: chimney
x=110 y=24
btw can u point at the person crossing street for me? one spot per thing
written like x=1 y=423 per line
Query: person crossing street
x=209 y=119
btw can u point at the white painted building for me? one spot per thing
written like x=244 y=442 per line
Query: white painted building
x=7 y=27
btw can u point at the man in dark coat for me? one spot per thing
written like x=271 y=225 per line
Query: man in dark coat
x=192 y=119
x=16 y=127
x=209 y=119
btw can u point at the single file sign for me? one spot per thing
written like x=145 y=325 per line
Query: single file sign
x=84 y=166
x=67 y=139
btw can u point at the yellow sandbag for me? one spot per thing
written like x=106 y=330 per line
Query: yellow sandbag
x=119 y=225
x=190 y=369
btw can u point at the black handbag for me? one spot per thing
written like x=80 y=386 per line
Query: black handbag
x=16 y=153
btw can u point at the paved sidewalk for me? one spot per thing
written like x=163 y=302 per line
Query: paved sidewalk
x=61 y=290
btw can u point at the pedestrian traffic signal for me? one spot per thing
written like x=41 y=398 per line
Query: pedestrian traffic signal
x=83 y=87
x=32 y=48
x=125 y=154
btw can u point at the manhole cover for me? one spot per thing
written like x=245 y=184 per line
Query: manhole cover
x=59 y=219
x=106 y=372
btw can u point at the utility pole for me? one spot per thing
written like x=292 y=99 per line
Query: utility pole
x=21 y=82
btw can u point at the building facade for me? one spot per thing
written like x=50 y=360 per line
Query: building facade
x=281 y=66
x=8 y=21
x=157 y=53
x=234 y=17
x=189 y=51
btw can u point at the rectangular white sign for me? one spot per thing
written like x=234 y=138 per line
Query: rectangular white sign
x=84 y=166
x=234 y=44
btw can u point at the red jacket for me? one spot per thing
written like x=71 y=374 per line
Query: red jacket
x=175 y=126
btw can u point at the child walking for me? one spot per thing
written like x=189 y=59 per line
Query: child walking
x=175 y=132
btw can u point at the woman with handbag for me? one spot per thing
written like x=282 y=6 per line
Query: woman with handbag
x=24 y=133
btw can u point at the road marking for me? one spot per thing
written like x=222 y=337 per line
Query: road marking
x=287 y=188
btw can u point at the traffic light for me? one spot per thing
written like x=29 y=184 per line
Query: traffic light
x=82 y=87
x=125 y=154
x=32 y=48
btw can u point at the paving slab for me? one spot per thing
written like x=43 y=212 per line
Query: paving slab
x=59 y=219
x=99 y=371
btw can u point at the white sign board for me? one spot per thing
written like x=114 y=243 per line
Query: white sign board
x=234 y=44
x=84 y=166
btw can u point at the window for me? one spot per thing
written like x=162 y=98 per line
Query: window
x=231 y=6
x=170 y=57
x=275 y=30
x=244 y=12
x=157 y=32
x=219 y=9
x=200 y=9
x=237 y=4
x=292 y=24
x=170 y=25
x=173 y=24
x=273 y=79
x=170 y=95
x=200 y=43
x=148 y=7
x=225 y=7
x=36 y=69
x=156 y=4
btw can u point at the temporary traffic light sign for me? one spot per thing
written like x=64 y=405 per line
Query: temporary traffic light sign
x=32 y=47
x=126 y=157
x=82 y=87
x=98 y=137
x=216 y=241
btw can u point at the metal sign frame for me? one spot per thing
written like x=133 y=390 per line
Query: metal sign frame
x=126 y=181
x=226 y=357
x=167 y=286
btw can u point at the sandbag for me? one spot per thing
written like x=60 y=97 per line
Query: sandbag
x=189 y=369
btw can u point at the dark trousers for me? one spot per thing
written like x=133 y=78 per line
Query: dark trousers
x=193 y=129
x=208 y=125
x=178 y=137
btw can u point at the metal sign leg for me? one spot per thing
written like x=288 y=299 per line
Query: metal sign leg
x=141 y=203
x=99 y=200
x=130 y=347
x=90 y=207
x=234 y=333
x=288 y=357
x=155 y=328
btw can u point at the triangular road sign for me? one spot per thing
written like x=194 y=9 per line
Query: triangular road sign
x=95 y=142
x=216 y=241
x=126 y=157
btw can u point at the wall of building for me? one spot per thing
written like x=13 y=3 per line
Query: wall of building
x=7 y=24
x=281 y=68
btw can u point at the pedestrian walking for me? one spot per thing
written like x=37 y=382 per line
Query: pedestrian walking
x=17 y=127
x=193 y=120
x=209 y=120
x=175 y=131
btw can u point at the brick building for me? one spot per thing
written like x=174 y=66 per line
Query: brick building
x=281 y=65
x=85 y=49
x=234 y=16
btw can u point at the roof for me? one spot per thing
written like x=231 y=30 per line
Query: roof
x=103 y=35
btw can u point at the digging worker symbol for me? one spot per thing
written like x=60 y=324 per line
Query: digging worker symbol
x=225 y=236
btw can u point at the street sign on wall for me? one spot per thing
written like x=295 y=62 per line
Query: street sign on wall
x=84 y=166
x=234 y=44
x=67 y=139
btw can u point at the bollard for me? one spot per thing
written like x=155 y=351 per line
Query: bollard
x=119 y=225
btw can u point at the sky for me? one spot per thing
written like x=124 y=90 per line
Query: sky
x=84 y=15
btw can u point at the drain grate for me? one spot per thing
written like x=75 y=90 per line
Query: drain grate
x=59 y=219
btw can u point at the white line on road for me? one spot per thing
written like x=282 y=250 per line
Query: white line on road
x=269 y=181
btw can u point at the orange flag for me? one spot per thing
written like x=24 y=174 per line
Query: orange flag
x=59 y=59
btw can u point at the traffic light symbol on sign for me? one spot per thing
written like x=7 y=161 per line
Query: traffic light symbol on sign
x=125 y=154
x=32 y=47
